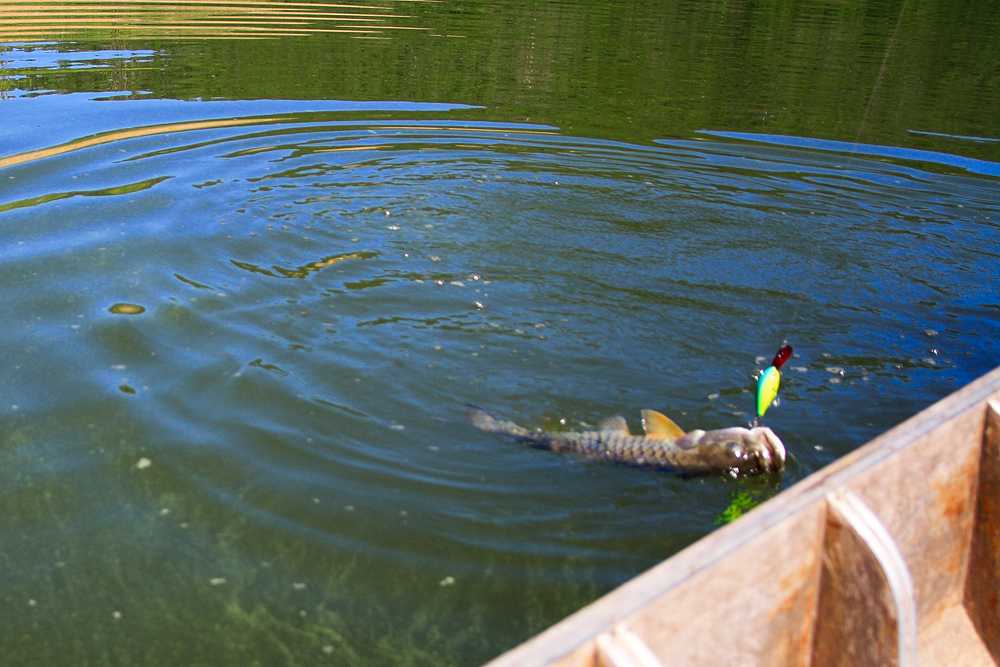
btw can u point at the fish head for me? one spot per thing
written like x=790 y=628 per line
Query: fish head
x=763 y=449
x=734 y=450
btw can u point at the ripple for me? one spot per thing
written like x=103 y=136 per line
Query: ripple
x=325 y=288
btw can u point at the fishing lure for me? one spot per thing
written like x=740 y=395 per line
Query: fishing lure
x=770 y=380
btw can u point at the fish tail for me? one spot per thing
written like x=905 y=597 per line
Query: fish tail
x=484 y=421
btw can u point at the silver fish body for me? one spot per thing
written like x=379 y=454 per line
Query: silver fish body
x=734 y=450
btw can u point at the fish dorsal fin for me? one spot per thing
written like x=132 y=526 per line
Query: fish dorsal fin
x=616 y=423
x=658 y=425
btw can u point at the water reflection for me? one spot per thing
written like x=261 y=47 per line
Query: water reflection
x=196 y=19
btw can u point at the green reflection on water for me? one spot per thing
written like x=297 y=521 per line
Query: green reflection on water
x=868 y=71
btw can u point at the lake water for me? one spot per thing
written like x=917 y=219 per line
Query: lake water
x=256 y=257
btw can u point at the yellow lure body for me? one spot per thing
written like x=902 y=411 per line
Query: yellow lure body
x=767 y=389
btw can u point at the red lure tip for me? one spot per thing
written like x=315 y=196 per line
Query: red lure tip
x=783 y=355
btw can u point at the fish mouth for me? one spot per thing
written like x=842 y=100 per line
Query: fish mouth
x=772 y=455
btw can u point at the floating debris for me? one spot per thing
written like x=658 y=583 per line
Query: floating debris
x=143 y=463
x=127 y=309
x=930 y=332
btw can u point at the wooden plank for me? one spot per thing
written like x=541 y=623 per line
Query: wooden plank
x=866 y=613
x=953 y=640
x=925 y=497
x=756 y=607
x=982 y=589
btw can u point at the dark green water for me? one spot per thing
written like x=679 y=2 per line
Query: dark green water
x=559 y=211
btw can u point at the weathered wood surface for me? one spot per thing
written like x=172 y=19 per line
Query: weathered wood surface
x=982 y=588
x=887 y=556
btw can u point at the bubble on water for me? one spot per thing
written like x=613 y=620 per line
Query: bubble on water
x=328 y=649
x=127 y=309
x=930 y=332
x=834 y=380
x=759 y=360
x=299 y=586
x=217 y=581
x=800 y=369
x=458 y=283
x=712 y=397
x=143 y=463
x=478 y=304
x=118 y=367
x=447 y=581
x=348 y=508
x=32 y=602
x=397 y=427
x=117 y=615
x=165 y=511
x=836 y=370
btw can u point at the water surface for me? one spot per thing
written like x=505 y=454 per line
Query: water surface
x=257 y=256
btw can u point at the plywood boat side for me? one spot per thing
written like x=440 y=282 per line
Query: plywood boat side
x=891 y=553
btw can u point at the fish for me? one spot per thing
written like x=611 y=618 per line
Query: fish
x=665 y=445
